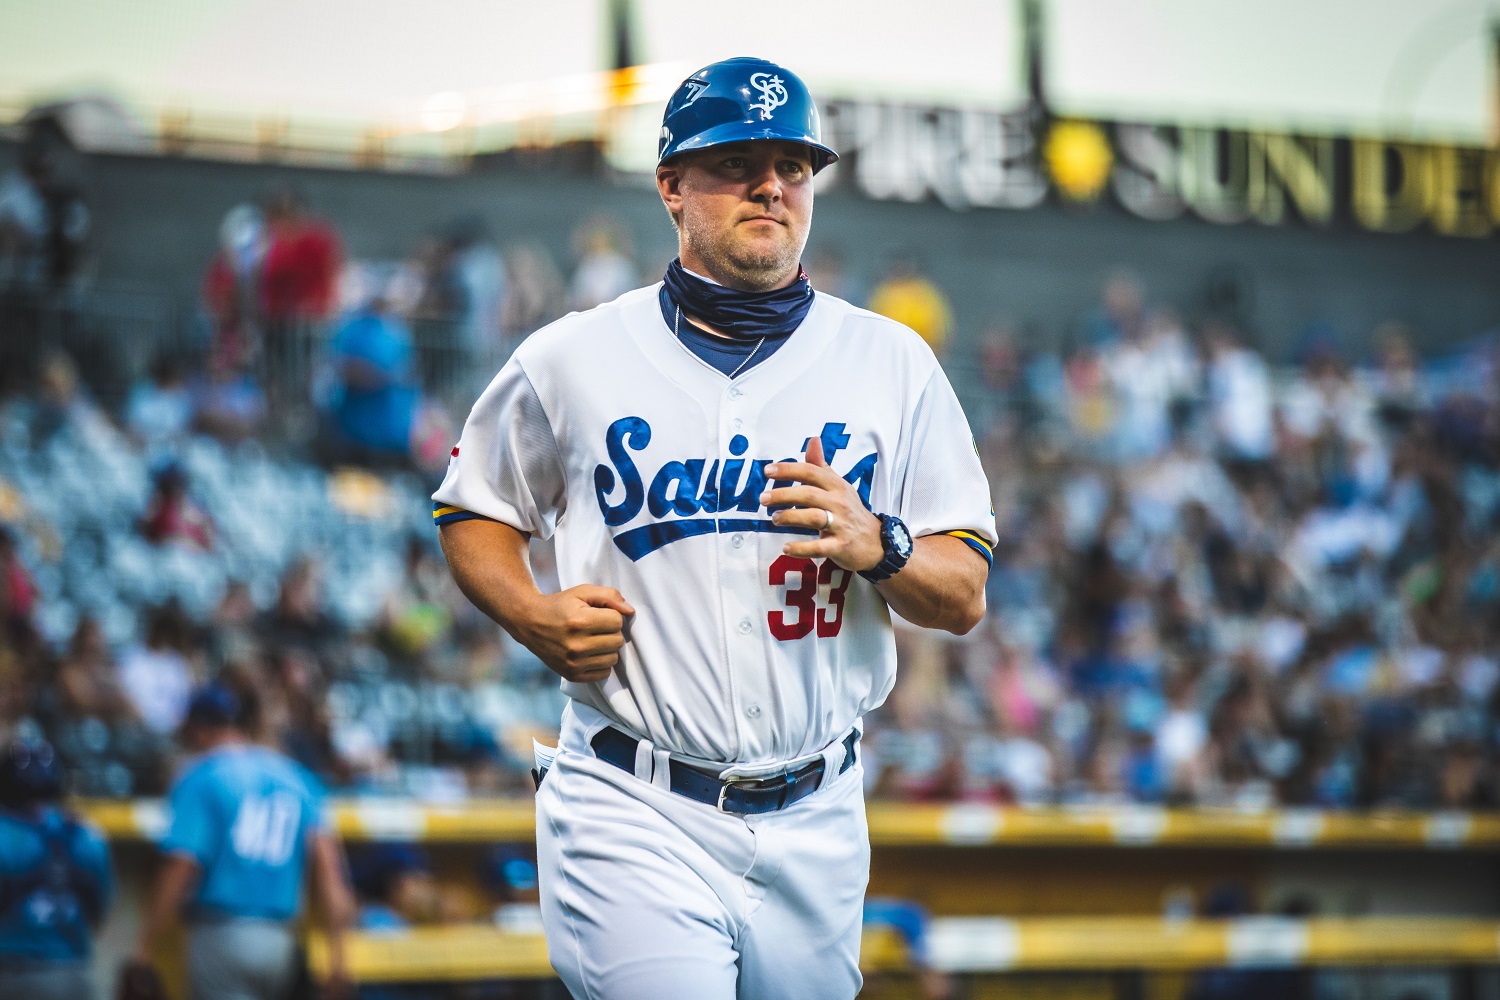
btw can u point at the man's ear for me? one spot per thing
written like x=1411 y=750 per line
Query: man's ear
x=669 y=186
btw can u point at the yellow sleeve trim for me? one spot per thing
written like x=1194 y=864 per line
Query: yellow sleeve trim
x=970 y=536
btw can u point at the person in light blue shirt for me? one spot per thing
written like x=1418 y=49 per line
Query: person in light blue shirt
x=247 y=827
x=55 y=882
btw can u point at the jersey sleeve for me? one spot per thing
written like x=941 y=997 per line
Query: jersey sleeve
x=507 y=465
x=315 y=798
x=192 y=830
x=943 y=488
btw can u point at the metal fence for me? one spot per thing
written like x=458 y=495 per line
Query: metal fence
x=109 y=333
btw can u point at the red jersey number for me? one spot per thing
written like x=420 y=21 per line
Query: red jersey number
x=827 y=618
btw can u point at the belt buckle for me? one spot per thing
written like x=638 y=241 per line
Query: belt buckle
x=781 y=782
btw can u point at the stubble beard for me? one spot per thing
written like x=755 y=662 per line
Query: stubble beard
x=751 y=269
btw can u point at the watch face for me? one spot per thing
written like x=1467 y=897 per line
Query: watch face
x=901 y=539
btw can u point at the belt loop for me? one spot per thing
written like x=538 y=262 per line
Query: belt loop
x=644 y=759
x=662 y=772
x=833 y=759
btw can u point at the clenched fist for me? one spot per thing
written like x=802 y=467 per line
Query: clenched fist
x=577 y=633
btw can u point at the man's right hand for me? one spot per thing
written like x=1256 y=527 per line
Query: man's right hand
x=578 y=633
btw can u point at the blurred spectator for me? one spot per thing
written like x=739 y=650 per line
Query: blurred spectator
x=62 y=405
x=160 y=410
x=480 y=273
x=57 y=880
x=373 y=405
x=87 y=682
x=1395 y=380
x=299 y=270
x=907 y=296
x=397 y=891
x=231 y=288
x=156 y=675
x=534 y=291
x=396 y=887
x=1239 y=397
x=297 y=286
x=44 y=220
x=605 y=270
x=510 y=873
x=228 y=402
x=1152 y=371
x=18 y=595
x=420 y=610
x=171 y=515
x=1120 y=314
x=297 y=621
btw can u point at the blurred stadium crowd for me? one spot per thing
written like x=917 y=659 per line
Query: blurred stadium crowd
x=1220 y=582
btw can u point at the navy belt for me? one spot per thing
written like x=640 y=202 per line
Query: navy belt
x=749 y=796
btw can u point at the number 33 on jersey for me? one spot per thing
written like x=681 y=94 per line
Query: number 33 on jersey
x=643 y=466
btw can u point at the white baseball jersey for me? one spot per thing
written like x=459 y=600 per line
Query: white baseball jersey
x=644 y=465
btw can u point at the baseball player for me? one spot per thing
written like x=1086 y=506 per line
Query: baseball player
x=742 y=479
x=55 y=881
x=247 y=828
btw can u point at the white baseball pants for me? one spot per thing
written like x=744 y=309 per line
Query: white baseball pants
x=648 y=895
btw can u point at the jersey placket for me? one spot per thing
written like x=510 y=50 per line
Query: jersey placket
x=738 y=563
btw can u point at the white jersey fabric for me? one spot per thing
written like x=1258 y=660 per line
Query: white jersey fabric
x=643 y=465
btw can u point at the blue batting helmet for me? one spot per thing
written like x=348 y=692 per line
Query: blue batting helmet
x=739 y=99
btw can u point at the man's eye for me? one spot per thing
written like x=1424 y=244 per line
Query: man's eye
x=735 y=163
x=793 y=167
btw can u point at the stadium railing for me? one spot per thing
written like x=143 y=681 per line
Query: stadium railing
x=979 y=945
x=898 y=824
x=110 y=332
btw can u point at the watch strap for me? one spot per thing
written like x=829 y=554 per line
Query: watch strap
x=891 y=562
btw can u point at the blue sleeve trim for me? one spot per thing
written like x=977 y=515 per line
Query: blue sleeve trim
x=976 y=543
x=448 y=514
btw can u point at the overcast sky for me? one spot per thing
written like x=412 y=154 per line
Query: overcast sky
x=1419 y=66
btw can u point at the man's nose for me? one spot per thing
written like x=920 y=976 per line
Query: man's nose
x=765 y=186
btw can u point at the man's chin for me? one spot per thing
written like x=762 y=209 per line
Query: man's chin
x=765 y=256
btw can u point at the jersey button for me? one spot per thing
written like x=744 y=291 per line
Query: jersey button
x=745 y=626
x=738 y=423
x=753 y=711
x=736 y=540
x=735 y=392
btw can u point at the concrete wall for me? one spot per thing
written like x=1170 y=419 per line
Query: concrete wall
x=157 y=218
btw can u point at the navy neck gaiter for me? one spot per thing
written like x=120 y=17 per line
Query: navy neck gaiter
x=741 y=315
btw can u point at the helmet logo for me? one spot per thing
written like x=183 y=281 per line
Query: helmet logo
x=695 y=91
x=772 y=93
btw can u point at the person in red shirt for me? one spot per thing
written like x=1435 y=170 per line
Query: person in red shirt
x=298 y=286
x=17 y=589
x=299 y=275
x=172 y=517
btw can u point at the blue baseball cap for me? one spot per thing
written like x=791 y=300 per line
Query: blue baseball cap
x=213 y=705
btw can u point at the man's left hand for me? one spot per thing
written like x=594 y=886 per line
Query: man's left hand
x=851 y=539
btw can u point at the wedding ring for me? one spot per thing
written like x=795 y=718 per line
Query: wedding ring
x=828 y=520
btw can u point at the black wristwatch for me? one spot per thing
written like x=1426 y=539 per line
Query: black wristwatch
x=896 y=540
